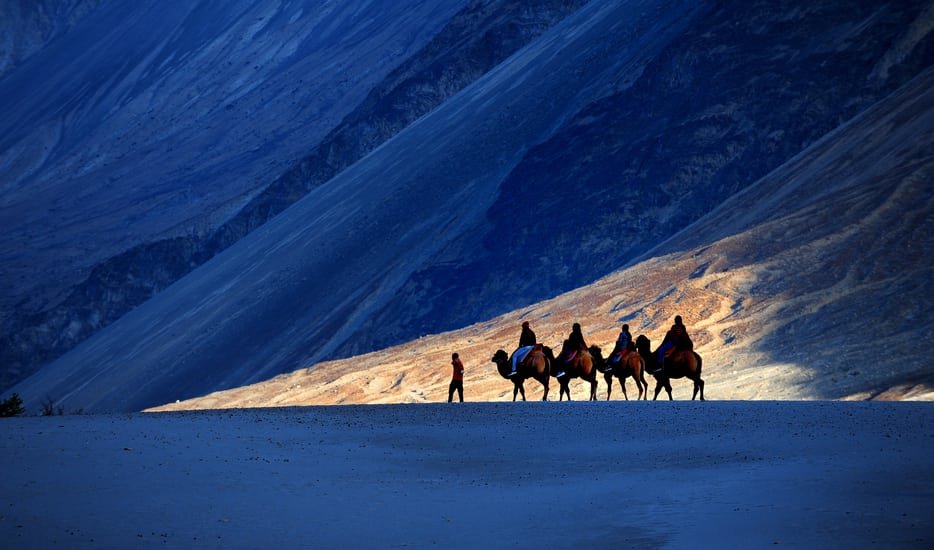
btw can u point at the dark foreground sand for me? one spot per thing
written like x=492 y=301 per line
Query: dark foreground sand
x=605 y=474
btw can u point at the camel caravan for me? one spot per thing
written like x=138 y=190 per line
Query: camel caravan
x=675 y=358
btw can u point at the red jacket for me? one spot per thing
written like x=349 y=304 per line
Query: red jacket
x=458 y=374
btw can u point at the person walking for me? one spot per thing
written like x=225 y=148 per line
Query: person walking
x=457 y=379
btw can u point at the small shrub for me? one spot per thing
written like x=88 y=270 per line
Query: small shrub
x=48 y=408
x=12 y=406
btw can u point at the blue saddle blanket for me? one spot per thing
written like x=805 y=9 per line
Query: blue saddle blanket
x=519 y=355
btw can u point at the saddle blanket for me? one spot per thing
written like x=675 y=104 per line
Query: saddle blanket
x=519 y=355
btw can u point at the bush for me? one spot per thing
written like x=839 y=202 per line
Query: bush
x=49 y=409
x=12 y=406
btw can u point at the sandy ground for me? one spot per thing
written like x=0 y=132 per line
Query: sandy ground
x=605 y=474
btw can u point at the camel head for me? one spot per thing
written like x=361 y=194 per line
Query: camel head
x=596 y=352
x=643 y=344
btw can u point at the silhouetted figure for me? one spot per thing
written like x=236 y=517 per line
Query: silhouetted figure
x=527 y=338
x=623 y=340
x=675 y=339
x=573 y=345
x=457 y=379
x=526 y=342
x=576 y=338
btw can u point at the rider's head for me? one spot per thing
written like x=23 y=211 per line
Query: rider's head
x=577 y=327
x=525 y=324
x=625 y=326
x=678 y=320
x=454 y=356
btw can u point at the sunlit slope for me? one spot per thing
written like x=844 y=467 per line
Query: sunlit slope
x=812 y=284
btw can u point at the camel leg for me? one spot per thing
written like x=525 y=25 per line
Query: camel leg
x=663 y=383
x=522 y=391
x=644 y=385
x=515 y=391
x=698 y=385
x=622 y=384
x=545 y=395
x=609 y=384
x=635 y=377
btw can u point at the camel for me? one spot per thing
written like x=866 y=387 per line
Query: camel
x=680 y=364
x=535 y=365
x=631 y=364
x=581 y=366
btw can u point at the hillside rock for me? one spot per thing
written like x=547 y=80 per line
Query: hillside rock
x=741 y=90
x=476 y=39
x=160 y=122
x=27 y=26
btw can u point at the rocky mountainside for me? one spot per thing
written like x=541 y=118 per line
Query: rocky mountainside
x=474 y=40
x=158 y=123
x=610 y=132
x=742 y=89
x=27 y=26
x=810 y=284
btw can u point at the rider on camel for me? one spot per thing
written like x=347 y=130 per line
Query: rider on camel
x=622 y=342
x=526 y=339
x=574 y=343
x=676 y=339
x=576 y=338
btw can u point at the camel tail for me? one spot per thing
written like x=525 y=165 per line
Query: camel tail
x=700 y=364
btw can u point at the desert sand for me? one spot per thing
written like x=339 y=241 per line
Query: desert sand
x=476 y=475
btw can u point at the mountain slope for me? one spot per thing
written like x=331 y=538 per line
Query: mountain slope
x=811 y=284
x=492 y=200
x=299 y=286
x=743 y=88
x=473 y=41
x=151 y=122
x=27 y=26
